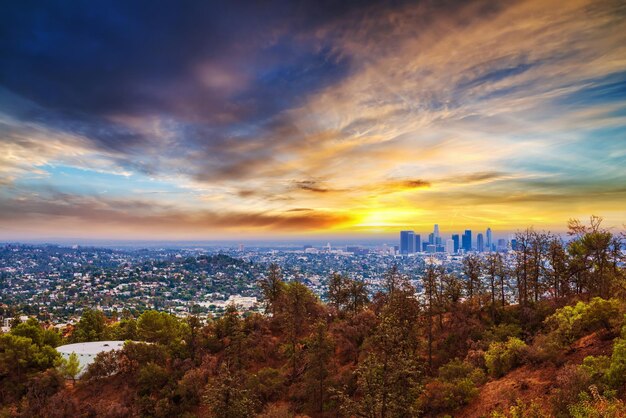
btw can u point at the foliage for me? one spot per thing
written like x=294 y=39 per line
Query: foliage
x=268 y=383
x=504 y=356
x=160 y=327
x=571 y=322
x=456 y=385
x=71 y=367
x=616 y=374
x=91 y=327
x=597 y=406
x=346 y=294
x=522 y=410
x=227 y=398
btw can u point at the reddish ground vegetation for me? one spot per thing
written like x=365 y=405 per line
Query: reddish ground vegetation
x=530 y=383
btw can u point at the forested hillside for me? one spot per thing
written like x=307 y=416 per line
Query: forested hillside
x=546 y=337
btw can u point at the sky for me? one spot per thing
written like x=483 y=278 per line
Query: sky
x=231 y=120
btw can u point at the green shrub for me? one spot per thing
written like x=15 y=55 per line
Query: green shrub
x=616 y=375
x=543 y=349
x=597 y=406
x=501 y=332
x=504 y=356
x=456 y=386
x=608 y=372
x=522 y=410
x=572 y=322
x=457 y=369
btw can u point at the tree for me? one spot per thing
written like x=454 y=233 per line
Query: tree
x=472 y=270
x=357 y=296
x=431 y=281
x=70 y=368
x=522 y=264
x=346 y=294
x=91 y=326
x=159 y=327
x=389 y=378
x=595 y=253
x=192 y=337
x=272 y=287
x=557 y=269
x=299 y=308
x=338 y=291
x=494 y=268
x=318 y=358
x=227 y=397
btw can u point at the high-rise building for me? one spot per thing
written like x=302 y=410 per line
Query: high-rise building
x=436 y=231
x=455 y=239
x=467 y=240
x=407 y=242
x=450 y=246
x=480 y=243
x=431 y=238
x=489 y=240
x=501 y=244
x=418 y=243
x=424 y=246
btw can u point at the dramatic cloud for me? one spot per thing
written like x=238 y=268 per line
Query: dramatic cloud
x=283 y=117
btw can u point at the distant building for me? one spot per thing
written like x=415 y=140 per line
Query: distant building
x=450 y=246
x=502 y=244
x=480 y=243
x=467 y=240
x=431 y=248
x=407 y=242
x=431 y=238
x=418 y=242
x=357 y=250
x=489 y=240
x=456 y=240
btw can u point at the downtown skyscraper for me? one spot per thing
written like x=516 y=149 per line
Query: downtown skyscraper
x=407 y=242
x=467 y=240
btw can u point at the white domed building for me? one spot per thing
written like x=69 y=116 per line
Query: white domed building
x=87 y=352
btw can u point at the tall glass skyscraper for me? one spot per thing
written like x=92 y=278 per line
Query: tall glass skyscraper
x=480 y=243
x=489 y=240
x=456 y=240
x=467 y=240
x=418 y=243
x=407 y=242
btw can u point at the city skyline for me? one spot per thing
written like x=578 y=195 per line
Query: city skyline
x=295 y=120
x=411 y=242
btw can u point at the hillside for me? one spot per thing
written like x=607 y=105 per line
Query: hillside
x=538 y=382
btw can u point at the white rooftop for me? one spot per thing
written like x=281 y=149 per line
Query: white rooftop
x=91 y=348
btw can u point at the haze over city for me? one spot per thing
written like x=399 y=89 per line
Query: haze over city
x=279 y=120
